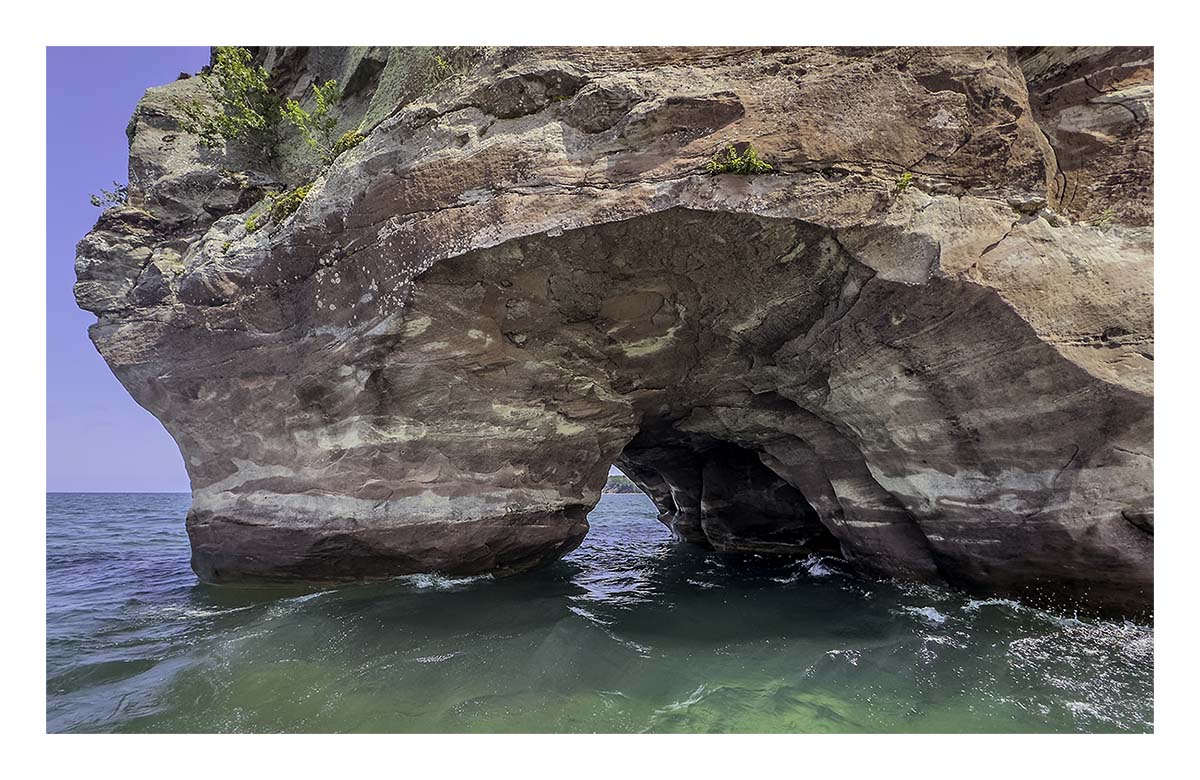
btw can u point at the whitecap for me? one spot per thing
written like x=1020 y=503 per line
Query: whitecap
x=973 y=605
x=435 y=659
x=439 y=582
x=181 y=612
x=306 y=597
x=695 y=698
x=928 y=614
x=815 y=566
x=851 y=656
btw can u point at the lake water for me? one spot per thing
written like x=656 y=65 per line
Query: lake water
x=631 y=632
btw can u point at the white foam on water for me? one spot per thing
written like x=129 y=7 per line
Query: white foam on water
x=612 y=699
x=181 y=612
x=695 y=698
x=928 y=614
x=307 y=597
x=812 y=566
x=436 y=659
x=850 y=656
x=973 y=605
x=288 y=606
x=439 y=582
x=816 y=567
x=588 y=616
x=921 y=590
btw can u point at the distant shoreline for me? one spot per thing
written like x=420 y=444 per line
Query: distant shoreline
x=618 y=483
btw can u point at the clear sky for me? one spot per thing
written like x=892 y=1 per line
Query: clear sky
x=97 y=438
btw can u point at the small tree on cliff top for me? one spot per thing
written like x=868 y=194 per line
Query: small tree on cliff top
x=250 y=108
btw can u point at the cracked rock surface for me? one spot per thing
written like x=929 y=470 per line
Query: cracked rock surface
x=523 y=275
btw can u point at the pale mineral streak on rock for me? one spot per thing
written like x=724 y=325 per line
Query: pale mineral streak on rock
x=524 y=275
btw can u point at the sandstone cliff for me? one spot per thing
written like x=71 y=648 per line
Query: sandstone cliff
x=524 y=274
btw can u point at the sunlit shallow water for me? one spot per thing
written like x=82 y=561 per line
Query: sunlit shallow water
x=629 y=633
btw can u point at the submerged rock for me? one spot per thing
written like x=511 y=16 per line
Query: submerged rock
x=900 y=344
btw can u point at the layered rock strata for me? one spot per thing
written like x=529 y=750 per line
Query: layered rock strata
x=923 y=342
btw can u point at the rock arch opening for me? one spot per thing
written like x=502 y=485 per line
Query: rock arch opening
x=654 y=343
x=719 y=495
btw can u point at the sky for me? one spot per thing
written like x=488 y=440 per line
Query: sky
x=97 y=437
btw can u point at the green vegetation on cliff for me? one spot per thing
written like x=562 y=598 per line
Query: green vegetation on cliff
x=619 y=483
x=730 y=160
x=250 y=111
x=117 y=196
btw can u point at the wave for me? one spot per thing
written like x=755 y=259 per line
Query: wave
x=438 y=581
x=928 y=614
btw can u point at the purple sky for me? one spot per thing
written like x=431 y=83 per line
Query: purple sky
x=97 y=438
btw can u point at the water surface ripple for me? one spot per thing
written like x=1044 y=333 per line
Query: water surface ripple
x=629 y=633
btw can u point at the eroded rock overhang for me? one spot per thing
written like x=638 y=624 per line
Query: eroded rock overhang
x=526 y=277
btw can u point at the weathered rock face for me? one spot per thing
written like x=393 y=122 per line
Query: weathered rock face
x=523 y=276
x=1095 y=105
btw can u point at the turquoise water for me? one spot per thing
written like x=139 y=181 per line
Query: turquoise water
x=630 y=633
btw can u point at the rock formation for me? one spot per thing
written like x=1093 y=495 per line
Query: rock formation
x=923 y=341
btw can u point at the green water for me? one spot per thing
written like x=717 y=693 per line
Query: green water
x=630 y=633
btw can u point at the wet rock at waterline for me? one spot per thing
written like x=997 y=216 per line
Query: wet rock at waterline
x=900 y=344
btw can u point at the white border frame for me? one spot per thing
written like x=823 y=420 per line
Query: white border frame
x=616 y=22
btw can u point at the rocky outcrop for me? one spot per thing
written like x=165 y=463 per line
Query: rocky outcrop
x=524 y=275
x=1096 y=106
